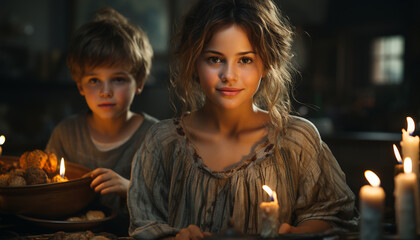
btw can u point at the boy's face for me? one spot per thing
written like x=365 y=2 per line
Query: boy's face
x=109 y=91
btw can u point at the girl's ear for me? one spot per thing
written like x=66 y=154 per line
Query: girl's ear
x=80 y=88
x=264 y=73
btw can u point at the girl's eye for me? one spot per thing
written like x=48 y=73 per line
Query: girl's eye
x=214 y=60
x=246 y=60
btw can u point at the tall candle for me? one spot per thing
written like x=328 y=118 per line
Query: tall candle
x=372 y=199
x=405 y=207
x=2 y=140
x=410 y=149
x=410 y=145
x=270 y=215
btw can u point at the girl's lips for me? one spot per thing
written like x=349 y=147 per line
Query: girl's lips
x=229 y=91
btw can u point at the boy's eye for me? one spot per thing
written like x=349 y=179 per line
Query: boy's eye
x=93 y=80
x=214 y=60
x=246 y=60
x=119 y=79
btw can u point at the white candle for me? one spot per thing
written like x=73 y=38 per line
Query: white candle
x=2 y=140
x=410 y=145
x=270 y=215
x=410 y=149
x=372 y=199
x=405 y=210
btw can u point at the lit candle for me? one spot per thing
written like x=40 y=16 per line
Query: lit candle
x=269 y=213
x=410 y=145
x=372 y=199
x=405 y=212
x=410 y=149
x=61 y=177
x=62 y=168
x=2 y=140
x=398 y=167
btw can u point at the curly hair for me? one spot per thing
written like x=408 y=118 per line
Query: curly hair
x=110 y=40
x=269 y=33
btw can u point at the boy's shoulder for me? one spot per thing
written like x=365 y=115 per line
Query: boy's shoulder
x=163 y=126
x=72 y=121
x=149 y=119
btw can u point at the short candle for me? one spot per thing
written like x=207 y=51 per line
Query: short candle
x=270 y=215
x=372 y=199
x=405 y=212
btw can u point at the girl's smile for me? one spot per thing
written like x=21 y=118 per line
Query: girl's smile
x=229 y=69
x=226 y=91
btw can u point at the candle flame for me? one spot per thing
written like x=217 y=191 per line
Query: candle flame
x=2 y=139
x=372 y=178
x=268 y=190
x=273 y=195
x=407 y=165
x=410 y=125
x=62 y=168
x=397 y=154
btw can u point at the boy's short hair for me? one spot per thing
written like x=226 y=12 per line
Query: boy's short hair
x=110 y=40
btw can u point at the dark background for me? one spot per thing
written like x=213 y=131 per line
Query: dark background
x=359 y=120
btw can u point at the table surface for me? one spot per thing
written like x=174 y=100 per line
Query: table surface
x=13 y=227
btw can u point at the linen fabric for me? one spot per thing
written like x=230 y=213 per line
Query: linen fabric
x=171 y=188
x=71 y=140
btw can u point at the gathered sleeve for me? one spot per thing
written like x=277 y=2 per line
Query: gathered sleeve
x=322 y=191
x=148 y=193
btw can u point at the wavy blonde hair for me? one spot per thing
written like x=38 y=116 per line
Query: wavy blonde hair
x=269 y=33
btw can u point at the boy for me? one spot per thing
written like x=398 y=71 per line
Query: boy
x=110 y=60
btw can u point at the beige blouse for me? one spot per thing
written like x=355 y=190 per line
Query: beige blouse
x=171 y=188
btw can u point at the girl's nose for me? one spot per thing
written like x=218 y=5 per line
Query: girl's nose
x=106 y=90
x=229 y=72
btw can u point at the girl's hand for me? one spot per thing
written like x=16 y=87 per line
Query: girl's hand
x=285 y=228
x=308 y=226
x=192 y=232
x=106 y=181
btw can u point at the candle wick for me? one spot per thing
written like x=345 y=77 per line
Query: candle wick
x=272 y=198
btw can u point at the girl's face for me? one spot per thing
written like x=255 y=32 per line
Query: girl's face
x=109 y=91
x=229 y=69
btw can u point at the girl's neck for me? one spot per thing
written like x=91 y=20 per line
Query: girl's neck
x=230 y=122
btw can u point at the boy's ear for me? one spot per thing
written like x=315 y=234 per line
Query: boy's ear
x=79 y=87
x=140 y=87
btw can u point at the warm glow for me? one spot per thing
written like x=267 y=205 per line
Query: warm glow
x=397 y=154
x=268 y=190
x=372 y=178
x=410 y=125
x=2 y=139
x=407 y=165
x=62 y=168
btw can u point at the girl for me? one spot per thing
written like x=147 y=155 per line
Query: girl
x=196 y=173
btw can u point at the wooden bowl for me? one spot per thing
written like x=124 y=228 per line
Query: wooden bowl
x=49 y=200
